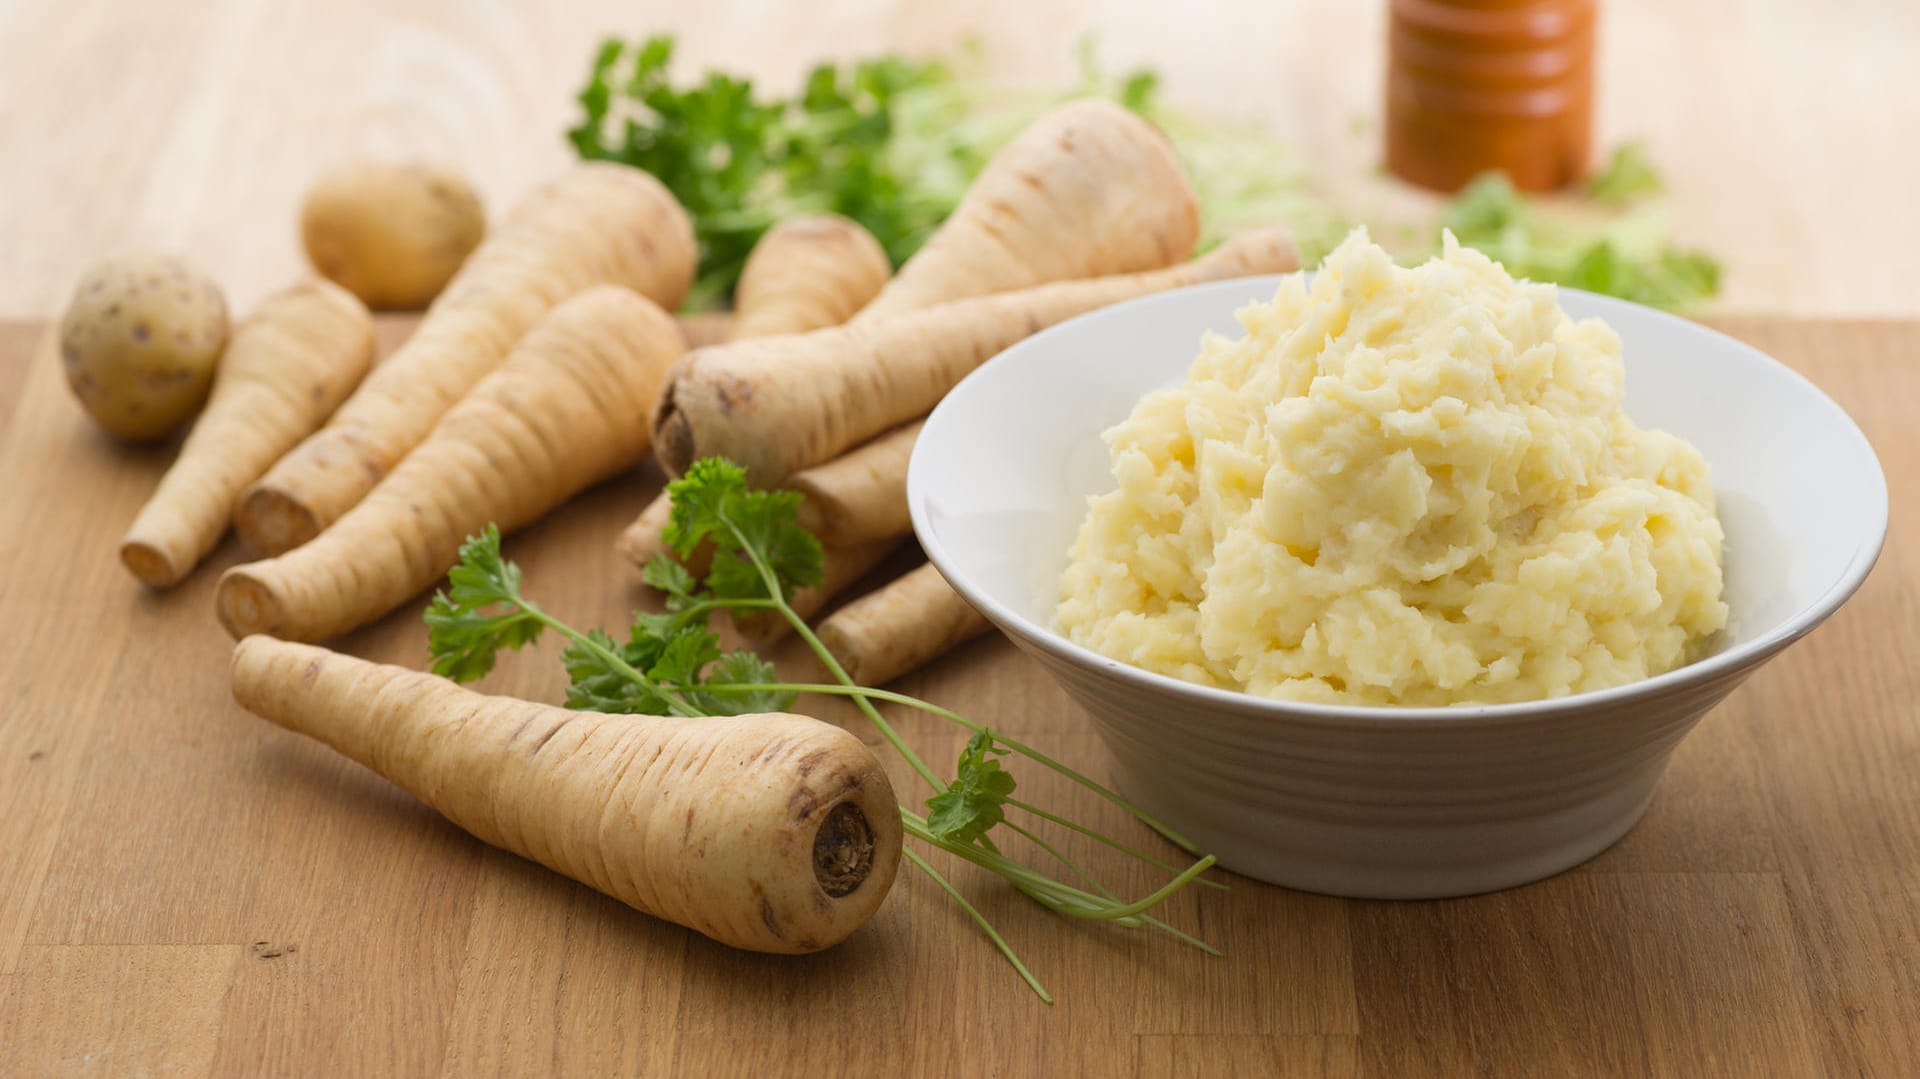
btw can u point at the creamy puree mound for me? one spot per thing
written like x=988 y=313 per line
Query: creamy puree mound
x=1401 y=487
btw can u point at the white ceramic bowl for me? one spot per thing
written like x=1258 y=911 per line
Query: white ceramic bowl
x=1379 y=802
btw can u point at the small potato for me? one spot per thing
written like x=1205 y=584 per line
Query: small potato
x=391 y=234
x=140 y=341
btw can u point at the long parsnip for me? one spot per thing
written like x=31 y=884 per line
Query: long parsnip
x=597 y=224
x=286 y=367
x=805 y=273
x=780 y=404
x=772 y=833
x=564 y=412
x=1087 y=190
x=900 y=627
x=861 y=495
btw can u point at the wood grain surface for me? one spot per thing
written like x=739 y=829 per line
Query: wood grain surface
x=187 y=889
x=1784 y=129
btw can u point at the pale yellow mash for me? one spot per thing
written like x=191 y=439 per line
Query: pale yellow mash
x=1400 y=487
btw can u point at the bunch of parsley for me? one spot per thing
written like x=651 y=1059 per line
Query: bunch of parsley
x=890 y=142
x=741 y=163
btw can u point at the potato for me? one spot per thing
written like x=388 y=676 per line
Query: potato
x=391 y=234
x=140 y=341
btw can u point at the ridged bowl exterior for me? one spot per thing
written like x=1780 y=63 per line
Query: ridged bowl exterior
x=1386 y=810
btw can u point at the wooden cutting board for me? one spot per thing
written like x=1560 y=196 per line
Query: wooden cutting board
x=184 y=886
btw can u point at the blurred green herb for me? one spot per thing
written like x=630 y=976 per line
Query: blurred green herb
x=1627 y=257
x=1628 y=177
x=889 y=142
x=893 y=142
x=739 y=164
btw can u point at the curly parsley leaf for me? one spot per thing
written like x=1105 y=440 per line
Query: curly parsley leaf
x=975 y=801
x=602 y=686
x=710 y=143
x=699 y=502
x=683 y=656
x=672 y=579
x=712 y=501
x=742 y=668
x=480 y=612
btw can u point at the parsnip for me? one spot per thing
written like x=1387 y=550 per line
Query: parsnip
x=780 y=404
x=1087 y=190
x=900 y=627
x=286 y=367
x=772 y=833
x=806 y=273
x=860 y=496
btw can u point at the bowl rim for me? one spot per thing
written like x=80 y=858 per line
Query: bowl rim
x=1721 y=664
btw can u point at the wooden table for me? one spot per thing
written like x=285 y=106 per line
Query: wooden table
x=1785 y=130
x=186 y=888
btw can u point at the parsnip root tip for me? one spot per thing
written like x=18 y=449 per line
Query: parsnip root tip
x=672 y=436
x=246 y=604
x=246 y=652
x=629 y=547
x=843 y=850
x=273 y=522
x=150 y=563
x=900 y=627
x=638 y=545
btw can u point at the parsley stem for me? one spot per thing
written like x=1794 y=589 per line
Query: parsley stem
x=1165 y=892
x=1108 y=840
x=860 y=698
x=1064 y=897
x=1076 y=870
x=1072 y=866
x=848 y=689
x=980 y=920
x=772 y=582
x=1184 y=938
x=611 y=659
x=705 y=605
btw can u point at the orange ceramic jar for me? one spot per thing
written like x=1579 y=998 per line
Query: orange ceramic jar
x=1474 y=85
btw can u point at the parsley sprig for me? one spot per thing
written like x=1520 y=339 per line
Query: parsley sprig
x=672 y=664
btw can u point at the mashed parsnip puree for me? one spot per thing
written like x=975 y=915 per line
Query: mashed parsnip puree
x=1401 y=487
